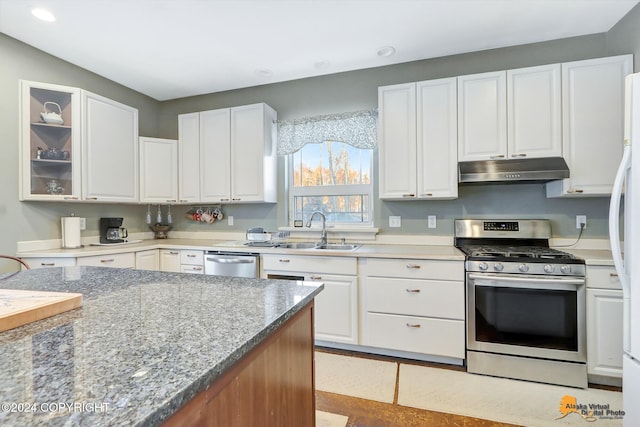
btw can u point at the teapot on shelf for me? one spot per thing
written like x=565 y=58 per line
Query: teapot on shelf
x=52 y=117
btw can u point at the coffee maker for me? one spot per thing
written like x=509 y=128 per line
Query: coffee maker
x=111 y=230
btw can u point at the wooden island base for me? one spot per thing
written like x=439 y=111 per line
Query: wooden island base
x=272 y=386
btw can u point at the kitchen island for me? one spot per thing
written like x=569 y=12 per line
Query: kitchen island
x=146 y=346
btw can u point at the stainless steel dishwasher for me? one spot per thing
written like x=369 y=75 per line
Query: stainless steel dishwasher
x=238 y=264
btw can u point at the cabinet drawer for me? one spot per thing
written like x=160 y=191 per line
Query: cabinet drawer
x=416 y=269
x=430 y=298
x=603 y=277
x=127 y=260
x=193 y=269
x=192 y=257
x=416 y=334
x=49 y=262
x=310 y=264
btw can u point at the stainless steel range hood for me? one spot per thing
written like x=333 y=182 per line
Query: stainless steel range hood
x=517 y=170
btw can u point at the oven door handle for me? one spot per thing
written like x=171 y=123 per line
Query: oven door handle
x=524 y=280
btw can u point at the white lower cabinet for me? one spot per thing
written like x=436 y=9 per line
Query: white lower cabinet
x=336 y=307
x=182 y=261
x=148 y=260
x=46 y=262
x=170 y=260
x=604 y=324
x=415 y=306
x=125 y=260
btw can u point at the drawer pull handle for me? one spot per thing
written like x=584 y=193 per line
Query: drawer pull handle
x=107 y=260
x=191 y=255
x=575 y=190
x=174 y=253
x=613 y=274
x=413 y=291
x=413 y=266
x=197 y=268
x=316 y=277
x=47 y=264
x=413 y=325
x=409 y=195
x=497 y=156
x=519 y=155
x=284 y=260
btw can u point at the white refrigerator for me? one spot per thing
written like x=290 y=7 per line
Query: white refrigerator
x=627 y=262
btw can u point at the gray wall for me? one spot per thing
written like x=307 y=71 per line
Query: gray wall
x=357 y=90
x=320 y=95
x=21 y=221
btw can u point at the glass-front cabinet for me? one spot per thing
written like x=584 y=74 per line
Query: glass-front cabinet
x=50 y=142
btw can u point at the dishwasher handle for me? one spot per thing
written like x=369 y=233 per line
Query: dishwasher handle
x=245 y=260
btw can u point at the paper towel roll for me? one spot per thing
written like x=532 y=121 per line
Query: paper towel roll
x=71 y=232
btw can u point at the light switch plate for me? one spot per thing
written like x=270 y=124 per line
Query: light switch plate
x=431 y=221
x=395 y=221
x=230 y=220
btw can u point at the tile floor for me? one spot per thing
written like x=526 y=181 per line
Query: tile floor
x=363 y=412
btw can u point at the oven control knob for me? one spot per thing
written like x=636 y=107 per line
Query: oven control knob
x=498 y=266
x=549 y=268
x=565 y=269
x=483 y=266
x=523 y=267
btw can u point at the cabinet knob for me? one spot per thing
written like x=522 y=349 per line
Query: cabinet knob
x=413 y=325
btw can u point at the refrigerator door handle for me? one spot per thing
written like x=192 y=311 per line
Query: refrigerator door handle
x=614 y=217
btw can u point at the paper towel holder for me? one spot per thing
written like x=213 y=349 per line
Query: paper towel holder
x=71 y=226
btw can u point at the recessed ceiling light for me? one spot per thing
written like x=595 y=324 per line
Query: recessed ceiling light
x=264 y=72
x=43 y=15
x=386 y=51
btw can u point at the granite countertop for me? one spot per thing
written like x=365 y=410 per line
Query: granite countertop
x=142 y=344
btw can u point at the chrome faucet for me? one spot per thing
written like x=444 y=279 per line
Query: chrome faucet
x=323 y=236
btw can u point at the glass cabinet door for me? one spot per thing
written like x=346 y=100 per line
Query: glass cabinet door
x=50 y=141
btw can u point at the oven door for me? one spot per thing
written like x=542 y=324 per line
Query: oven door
x=526 y=315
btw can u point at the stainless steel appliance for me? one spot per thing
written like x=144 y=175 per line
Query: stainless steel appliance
x=525 y=303
x=220 y=263
x=111 y=230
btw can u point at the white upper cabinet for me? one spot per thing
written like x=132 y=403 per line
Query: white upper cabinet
x=534 y=126
x=397 y=141
x=418 y=140
x=437 y=139
x=510 y=114
x=482 y=116
x=50 y=140
x=110 y=151
x=189 y=158
x=592 y=125
x=76 y=145
x=228 y=155
x=158 y=170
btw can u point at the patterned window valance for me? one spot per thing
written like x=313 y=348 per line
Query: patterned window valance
x=355 y=128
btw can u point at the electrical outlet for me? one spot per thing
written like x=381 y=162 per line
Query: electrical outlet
x=431 y=221
x=230 y=220
x=395 y=221
x=83 y=223
x=581 y=219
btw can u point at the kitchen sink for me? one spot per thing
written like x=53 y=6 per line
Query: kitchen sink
x=316 y=245
x=299 y=245
x=338 y=246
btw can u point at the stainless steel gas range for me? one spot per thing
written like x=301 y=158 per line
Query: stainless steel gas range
x=525 y=303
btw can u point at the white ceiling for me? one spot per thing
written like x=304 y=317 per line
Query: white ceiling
x=175 y=48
